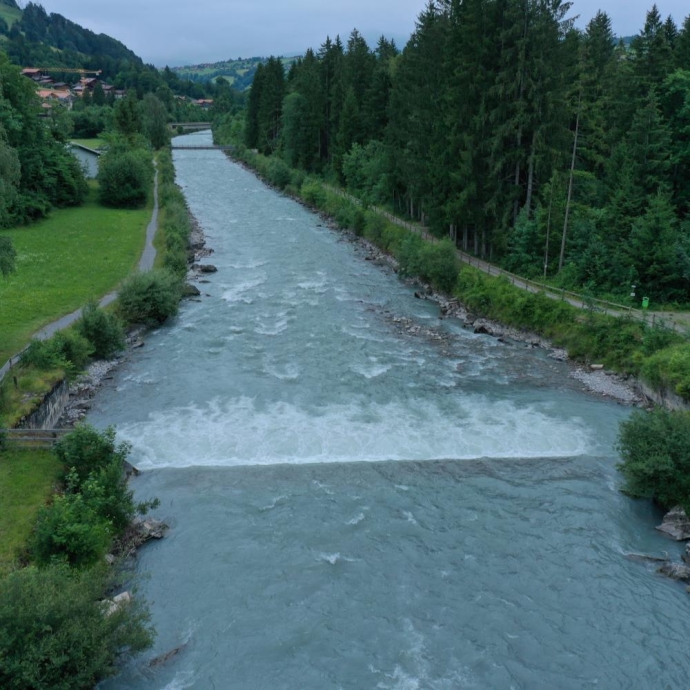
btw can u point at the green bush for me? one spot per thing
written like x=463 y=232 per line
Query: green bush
x=85 y=450
x=150 y=298
x=44 y=355
x=54 y=634
x=655 y=452
x=69 y=530
x=124 y=178
x=313 y=193
x=103 y=330
x=278 y=173
x=75 y=348
x=67 y=350
x=669 y=368
x=439 y=264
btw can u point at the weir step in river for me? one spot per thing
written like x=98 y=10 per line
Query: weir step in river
x=358 y=504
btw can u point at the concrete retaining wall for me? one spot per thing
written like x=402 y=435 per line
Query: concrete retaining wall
x=46 y=415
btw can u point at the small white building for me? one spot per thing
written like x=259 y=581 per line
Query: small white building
x=87 y=157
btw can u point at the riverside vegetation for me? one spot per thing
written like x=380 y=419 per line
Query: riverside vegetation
x=561 y=155
x=64 y=511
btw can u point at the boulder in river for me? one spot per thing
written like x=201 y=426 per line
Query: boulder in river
x=205 y=268
x=190 y=290
x=676 y=571
x=676 y=524
x=144 y=529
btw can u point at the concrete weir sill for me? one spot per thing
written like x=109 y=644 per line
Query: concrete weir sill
x=46 y=415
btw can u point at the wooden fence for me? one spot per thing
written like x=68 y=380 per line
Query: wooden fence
x=31 y=438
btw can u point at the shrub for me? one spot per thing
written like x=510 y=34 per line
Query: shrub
x=43 y=354
x=106 y=492
x=150 y=298
x=439 y=264
x=86 y=450
x=278 y=173
x=53 y=634
x=374 y=227
x=655 y=448
x=669 y=368
x=124 y=178
x=69 y=530
x=75 y=348
x=103 y=330
x=313 y=193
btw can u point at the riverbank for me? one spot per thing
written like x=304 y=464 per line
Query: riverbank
x=622 y=388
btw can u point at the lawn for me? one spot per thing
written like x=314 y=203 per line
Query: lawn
x=90 y=143
x=63 y=261
x=26 y=481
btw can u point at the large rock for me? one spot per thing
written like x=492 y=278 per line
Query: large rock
x=189 y=290
x=150 y=528
x=111 y=606
x=676 y=524
x=676 y=571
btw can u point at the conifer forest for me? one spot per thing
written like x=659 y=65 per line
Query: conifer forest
x=561 y=153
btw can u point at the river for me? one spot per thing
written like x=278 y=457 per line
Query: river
x=356 y=506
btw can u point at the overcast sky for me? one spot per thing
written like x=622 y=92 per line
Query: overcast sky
x=178 y=32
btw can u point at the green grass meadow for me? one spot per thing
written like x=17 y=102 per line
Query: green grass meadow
x=26 y=481
x=90 y=143
x=63 y=261
x=10 y=14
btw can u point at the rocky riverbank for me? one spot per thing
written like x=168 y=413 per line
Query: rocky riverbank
x=83 y=389
x=594 y=379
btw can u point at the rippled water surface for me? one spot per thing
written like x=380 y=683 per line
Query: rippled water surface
x=356 y=506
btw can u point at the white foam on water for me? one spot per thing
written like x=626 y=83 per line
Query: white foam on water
x=356 y=519
x=410 y=518
x=238 y=431
x=289 y=372
x=370 y=371
x=273 y=503
x=276 y=329
x=244 y=291
x=415 y=673
x=181 y=681
x=252 y=264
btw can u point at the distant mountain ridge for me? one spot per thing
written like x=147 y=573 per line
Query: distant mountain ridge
x=239 y=73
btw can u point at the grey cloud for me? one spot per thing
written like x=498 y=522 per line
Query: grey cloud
x=181 y=32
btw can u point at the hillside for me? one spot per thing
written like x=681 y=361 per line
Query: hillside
x=239 y=73
x=34 y=37
x=9 y=12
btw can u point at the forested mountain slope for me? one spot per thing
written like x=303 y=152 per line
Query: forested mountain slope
x=527 y=140
x=238 y=73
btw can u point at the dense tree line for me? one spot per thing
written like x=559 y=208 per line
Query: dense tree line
x=36 y=170
x=552 y=150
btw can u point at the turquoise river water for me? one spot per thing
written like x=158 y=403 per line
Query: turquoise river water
x=353 y=506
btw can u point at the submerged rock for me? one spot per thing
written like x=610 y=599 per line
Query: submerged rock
x=163 y=658
x=676 y=524
x=204 y=268
x=676 y=571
